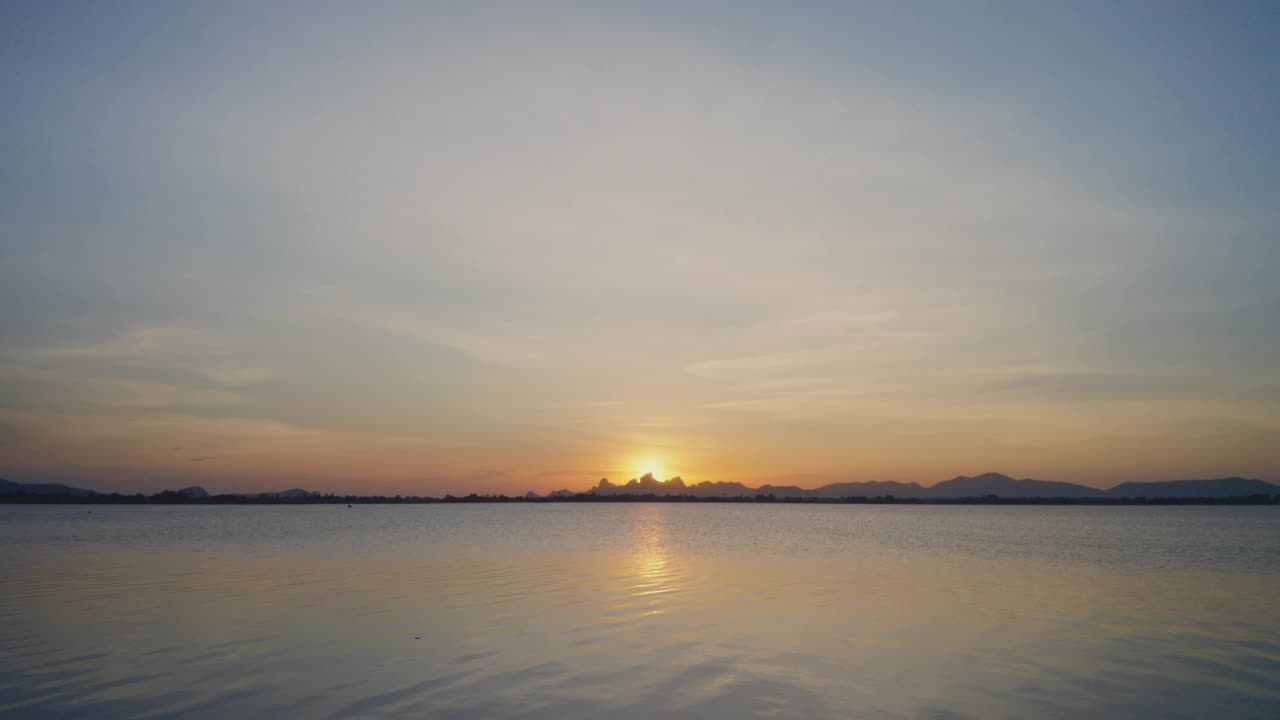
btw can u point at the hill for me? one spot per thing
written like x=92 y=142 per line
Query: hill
x=1221 y=487
x=1004 y=486
x=8 y=487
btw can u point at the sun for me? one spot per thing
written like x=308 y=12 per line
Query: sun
x=651 y=466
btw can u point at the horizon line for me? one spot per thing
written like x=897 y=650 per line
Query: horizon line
x=591 y=488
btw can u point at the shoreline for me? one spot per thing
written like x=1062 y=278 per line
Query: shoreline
x=175 y=499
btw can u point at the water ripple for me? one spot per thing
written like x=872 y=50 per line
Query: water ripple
x=640 y=611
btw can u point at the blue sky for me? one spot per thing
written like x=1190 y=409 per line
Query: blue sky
x=413 y=248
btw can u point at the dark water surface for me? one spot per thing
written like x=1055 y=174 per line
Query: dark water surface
x=639 y=611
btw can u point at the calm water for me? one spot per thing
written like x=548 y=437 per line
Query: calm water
x=639 y=611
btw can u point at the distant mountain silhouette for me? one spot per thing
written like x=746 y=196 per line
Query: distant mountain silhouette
x=1222 y=487
x=8 y=487
x=1004 y=486
x=647 y=484
x=962 y=486
x=957 y=488
x=197 y=492
x=283 y=494
x=531 y=495
x=874 y=488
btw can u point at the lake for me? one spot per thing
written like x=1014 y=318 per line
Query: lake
x=640 y=611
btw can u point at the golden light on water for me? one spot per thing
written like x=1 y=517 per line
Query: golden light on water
x=652 y=577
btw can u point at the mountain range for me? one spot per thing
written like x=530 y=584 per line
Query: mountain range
x=958 y=487
x=8 y=487
x=961 y=486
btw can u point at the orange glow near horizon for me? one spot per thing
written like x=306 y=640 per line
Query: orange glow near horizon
x=650 y=466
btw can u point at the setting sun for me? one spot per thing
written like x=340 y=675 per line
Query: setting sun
x=650 y=466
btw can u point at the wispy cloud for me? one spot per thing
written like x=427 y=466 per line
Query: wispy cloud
x=139 y=343
x=541 y=237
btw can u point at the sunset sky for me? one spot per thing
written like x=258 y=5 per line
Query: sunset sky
x=404 y=248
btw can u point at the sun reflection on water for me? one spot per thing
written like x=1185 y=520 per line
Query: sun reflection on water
x=652 y=572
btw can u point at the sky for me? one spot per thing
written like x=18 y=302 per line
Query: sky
x=447 y=248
